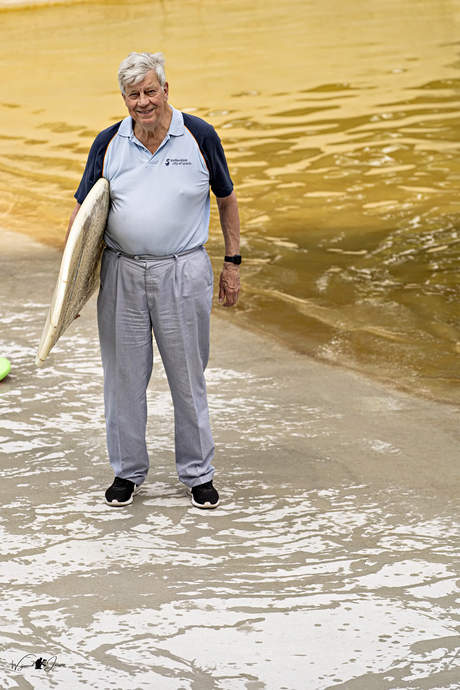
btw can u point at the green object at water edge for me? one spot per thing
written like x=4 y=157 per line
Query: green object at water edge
x=5 y=367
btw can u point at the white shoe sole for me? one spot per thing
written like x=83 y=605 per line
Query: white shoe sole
x=204 y=506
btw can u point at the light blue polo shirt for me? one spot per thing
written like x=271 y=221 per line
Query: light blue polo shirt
x=160 y=203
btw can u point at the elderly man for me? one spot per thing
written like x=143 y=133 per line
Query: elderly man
x=156 y=274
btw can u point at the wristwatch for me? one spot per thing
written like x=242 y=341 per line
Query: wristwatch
x=233 y=259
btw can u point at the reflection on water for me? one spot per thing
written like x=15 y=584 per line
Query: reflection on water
x=341 y=125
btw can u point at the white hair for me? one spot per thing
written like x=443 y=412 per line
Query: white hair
x=134 y=68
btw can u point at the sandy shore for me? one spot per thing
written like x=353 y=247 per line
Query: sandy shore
x=333 y=561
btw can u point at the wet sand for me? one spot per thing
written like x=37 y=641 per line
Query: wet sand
x=333 y=560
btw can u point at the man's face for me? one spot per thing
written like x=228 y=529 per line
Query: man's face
x=147 y=101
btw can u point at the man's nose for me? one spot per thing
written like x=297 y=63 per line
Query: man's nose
x=143 y=100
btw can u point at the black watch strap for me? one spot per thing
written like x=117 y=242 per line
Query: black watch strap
x=233 y=259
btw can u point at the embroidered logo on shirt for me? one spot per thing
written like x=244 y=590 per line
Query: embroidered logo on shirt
x=177 y=161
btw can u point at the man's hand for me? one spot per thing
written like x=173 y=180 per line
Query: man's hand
x=229 y=285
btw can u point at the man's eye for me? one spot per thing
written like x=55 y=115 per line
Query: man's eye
x=150 y=92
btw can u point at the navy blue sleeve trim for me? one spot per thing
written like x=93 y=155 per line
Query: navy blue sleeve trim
x=95 y=162
x=213 y=154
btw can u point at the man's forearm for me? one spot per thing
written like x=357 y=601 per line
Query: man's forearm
x=229 y=283
x=230 y=223
x=71 y=221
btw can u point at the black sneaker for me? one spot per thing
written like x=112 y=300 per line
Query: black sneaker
x=121 y=492
x=205 y=496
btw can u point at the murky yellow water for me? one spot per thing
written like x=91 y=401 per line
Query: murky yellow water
x=340 y=120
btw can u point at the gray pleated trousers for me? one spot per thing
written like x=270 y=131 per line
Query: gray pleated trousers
x=173 y=297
